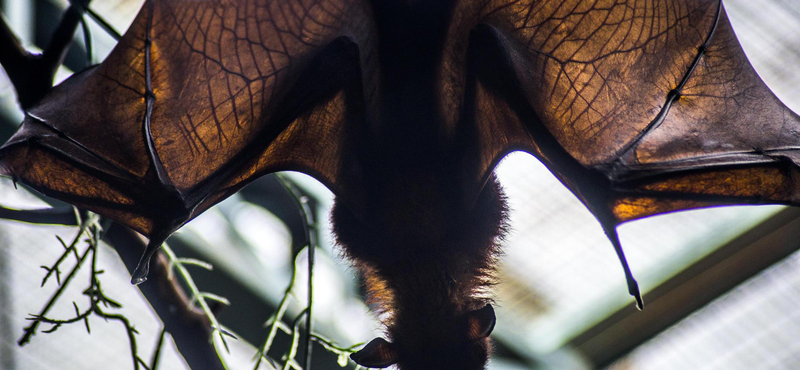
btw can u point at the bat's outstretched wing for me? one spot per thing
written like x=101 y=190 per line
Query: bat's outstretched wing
x=196 y=100
x=640 y=108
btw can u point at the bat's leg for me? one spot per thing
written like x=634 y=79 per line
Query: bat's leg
x=633 y=286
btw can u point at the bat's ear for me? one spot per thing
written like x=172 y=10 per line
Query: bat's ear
x=376 y=354
x=481 y=322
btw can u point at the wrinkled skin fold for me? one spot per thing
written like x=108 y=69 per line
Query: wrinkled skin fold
x=404 y=108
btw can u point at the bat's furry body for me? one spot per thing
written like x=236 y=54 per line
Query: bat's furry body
x=428 y=279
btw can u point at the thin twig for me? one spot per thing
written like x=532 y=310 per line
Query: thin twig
x=72 y=247
x=311 y=237
x=157 y=353
x=99 y=19
x=343 y=352
x=275 y=322
x=197 y=295
x=289 y=360
x=189 y=326
x=90 y=225
x=30 y=330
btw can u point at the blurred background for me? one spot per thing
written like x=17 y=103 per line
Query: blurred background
x=722 y=285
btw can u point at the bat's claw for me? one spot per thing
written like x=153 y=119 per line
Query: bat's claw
x=143 y=268
x=140 y=273
x=633 y=289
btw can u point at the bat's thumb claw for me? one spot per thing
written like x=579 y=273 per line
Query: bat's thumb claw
x=143 y=268
x=140 y=273
x=633 y=289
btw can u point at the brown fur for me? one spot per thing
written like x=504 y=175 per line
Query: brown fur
x=425 y=285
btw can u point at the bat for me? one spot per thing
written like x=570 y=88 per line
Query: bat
x=403 y=109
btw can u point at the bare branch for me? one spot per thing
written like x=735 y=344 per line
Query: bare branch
x=32 y=74
x=51 y=216
x=189 y=327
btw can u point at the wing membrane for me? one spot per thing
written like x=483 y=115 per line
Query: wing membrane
x=656 y=97
x=228 y=82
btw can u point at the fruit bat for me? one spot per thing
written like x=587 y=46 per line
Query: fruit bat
x=403 y=108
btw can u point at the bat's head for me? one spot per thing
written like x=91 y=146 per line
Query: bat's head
x=431 y=288
x=461 y=344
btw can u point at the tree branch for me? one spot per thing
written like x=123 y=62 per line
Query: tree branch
x=52 y=216
x=32 y=74
x=13 y=55
x=189 y=327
